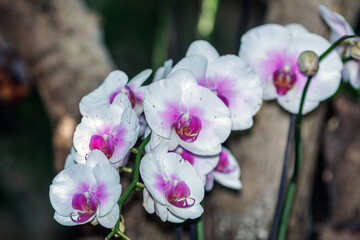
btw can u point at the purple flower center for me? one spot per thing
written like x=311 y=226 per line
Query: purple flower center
x=86 y=204
x=177 y=194
x=284 y=79
x=224 y=164
x=104 y=143
x=188 y=127
x=128 y=92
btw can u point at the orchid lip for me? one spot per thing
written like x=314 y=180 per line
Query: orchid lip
x=86 y=204
x=177 y=194
x=284 y=79
x=188 y=127
x=104 y=143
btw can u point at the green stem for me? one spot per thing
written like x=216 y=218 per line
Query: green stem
x=108 y=237
x=298 y=148
x=286 y=210
x=131 y=189
x=123 y=235
x=335 y=45
x=200 y=228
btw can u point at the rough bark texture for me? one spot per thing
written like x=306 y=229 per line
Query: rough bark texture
x=61 y=44
x=342 y=168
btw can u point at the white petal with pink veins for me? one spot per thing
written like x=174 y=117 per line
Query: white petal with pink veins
x=161 y=106
x=259 y=42
x=101 y=96
x=107 y=188
x=239 y=85
x=215 y=120
x=152 y=176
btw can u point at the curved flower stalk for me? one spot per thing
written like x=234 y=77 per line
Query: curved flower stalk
x=187 y=114
x=273 y=51
x=113 y=129
x=340 y=27
x=229 y=78
x=115 y=83
x=226 y=172
x=175 y=189
x=82 y=193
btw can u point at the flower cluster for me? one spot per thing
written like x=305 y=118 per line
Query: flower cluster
x=185 y=115
x=189 y=109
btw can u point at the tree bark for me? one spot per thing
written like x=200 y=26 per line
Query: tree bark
x=62 y=47
x=341 y=174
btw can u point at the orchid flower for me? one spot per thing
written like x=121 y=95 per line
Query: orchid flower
x=340 y=27
x=273 y=51
x=82 y=192
x=113 y=129
x=229 y=78
x=226 y=172
x=173 y=184
x=115 y=83
x=202 y=164
x=189 y=115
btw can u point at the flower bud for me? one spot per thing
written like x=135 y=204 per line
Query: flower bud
x=355 y=50
x=308 y=63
